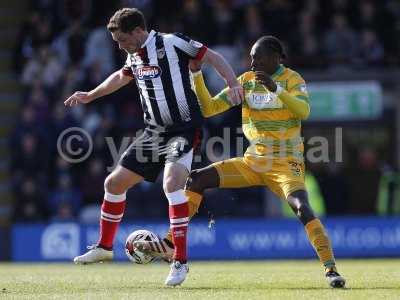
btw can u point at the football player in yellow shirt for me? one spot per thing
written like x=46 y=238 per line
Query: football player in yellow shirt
x=276 y=100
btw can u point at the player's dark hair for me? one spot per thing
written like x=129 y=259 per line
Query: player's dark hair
x=269 y=42
x=126 y=20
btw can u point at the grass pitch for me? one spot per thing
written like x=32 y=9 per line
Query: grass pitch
x=366 y=279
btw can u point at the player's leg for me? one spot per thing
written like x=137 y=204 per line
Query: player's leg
x=229 y=173
x=112 y=210
x=134 y=166
x=287 y=179
x=234 y=173
x=175 y=175
x=198 y=181
x=195 y=189
x=317 y=236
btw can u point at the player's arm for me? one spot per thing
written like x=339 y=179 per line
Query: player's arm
x=114 y=82
x=295 y=97
x=209 y=105
x=225 y=71
x=197 y=51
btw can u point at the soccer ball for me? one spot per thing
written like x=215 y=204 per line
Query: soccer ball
x=134 y=254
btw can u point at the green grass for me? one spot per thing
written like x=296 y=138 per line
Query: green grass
x=366 y=279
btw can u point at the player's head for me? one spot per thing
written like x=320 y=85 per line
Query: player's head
x=266 y=54
x=127 y=27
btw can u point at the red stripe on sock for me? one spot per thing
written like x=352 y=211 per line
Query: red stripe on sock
x=109 y=229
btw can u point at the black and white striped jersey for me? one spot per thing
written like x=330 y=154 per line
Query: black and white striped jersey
x=161 y=71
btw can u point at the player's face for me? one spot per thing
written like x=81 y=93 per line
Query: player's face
x=262 y=60
x=130 y=42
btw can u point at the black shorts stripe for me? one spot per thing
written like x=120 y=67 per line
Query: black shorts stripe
x=167 y=83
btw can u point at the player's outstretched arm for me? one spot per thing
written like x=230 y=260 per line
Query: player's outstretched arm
x=114 y=82
x=209 y=105
x=225 y=71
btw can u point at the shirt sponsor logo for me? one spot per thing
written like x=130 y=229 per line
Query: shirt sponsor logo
x=263 y=100
x=147 y=72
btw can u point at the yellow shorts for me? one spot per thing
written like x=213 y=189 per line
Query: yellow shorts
x=282 y=175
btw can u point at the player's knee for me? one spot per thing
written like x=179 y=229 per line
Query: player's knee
x=171 y=184
x=301 y=207
x=196 y=182
x=113 y=185
x=305 y=213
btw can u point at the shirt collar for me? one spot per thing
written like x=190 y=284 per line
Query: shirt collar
x=149 y=38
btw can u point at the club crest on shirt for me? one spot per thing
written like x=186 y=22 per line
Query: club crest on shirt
x=161 y=53
x=147 y=72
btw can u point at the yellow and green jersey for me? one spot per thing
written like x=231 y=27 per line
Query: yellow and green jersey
x=270 y=127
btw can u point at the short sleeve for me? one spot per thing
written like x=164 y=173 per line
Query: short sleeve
x=192 y=48
x=127 y=68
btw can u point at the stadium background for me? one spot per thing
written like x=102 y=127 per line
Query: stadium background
x=49 y=49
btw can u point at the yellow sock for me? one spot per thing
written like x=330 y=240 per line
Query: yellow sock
x=194 y=201
x=319 y=239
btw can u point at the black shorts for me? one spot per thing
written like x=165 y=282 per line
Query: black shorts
x=148 y=154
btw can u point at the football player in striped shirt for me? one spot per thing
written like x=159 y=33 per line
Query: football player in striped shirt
x=159 y=63
x=276 y=101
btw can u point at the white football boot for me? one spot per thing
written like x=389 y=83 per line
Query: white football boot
x=158 y=249
x=177 y=274
x=94 y=255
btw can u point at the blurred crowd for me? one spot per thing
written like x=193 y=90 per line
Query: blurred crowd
x=63 y=46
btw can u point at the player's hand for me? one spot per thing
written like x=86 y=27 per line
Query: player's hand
x=236 y=94
x=265 y=79
x=78 y=97
x=195 y=65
